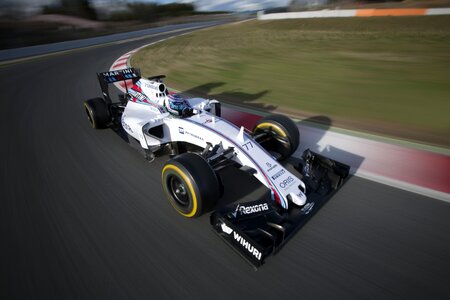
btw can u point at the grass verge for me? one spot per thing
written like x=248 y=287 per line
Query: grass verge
x=388 y=75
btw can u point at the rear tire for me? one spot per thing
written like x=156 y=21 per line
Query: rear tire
x=283 y=133
x=190 y=184
x=97 y=113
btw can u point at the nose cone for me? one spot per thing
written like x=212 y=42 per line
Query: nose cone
x=298 y=199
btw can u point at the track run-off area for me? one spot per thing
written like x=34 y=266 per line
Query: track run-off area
x=83 y=215
x=373 y=157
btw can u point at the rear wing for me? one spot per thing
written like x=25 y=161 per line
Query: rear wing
x=105 y=78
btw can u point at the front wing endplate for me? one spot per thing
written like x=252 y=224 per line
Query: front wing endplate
x=260 y=228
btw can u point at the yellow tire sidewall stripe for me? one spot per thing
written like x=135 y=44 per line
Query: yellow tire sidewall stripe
x=190 y=187
x=91 y=113
x=276 y=128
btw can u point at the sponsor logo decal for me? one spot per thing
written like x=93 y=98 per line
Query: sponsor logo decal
x=182 y=131
x=120 y=72
x=307 y=208
x=278 y=174
x=137 y=95
x=127 y=71
x=248 y=210
x=112 y=73
x=243 y=242
x=126 y=126
x=149 y=86
x=270 y=166
x=286 y=182
x=226 y=229
x=194 y=135
x=249 y=247
x=113 y=76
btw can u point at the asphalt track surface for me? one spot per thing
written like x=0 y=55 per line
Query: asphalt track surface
x=17 y=53
x=83 y=215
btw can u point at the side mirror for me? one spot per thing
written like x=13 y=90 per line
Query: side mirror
x=215 y=108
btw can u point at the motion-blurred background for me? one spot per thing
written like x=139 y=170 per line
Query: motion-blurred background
x=387 y=75
x=31 y=22
x=82 y=215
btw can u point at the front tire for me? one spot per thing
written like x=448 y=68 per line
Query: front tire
x=97 y=113
x=190 y=184
x=282 y=135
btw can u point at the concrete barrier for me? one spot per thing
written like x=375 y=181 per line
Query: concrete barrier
x=309 y=14
x=339 y=13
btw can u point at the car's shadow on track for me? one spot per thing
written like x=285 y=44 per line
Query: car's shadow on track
x=239 y=187
x=235 y=97
x=315 y=134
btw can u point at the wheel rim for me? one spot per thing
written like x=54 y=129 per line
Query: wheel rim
x=267 y=126
x=279 y=141
x=89 y=116
x=179 y=191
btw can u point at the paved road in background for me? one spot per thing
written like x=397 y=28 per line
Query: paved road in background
x=84 y=216
x=23 y=52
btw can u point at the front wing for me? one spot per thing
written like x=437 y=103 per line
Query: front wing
x=260 y=228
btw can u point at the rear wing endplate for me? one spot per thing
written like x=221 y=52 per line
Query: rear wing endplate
x=105 y=78
x=119 y=75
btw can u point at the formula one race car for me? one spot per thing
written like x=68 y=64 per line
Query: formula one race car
x=201 y=143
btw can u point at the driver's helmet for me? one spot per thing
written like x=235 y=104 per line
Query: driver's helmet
x=178 y=106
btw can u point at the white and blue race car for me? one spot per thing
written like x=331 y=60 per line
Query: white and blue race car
x=201 y=143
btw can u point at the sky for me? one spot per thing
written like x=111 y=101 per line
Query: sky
x=233 y=5
x=203 y=5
